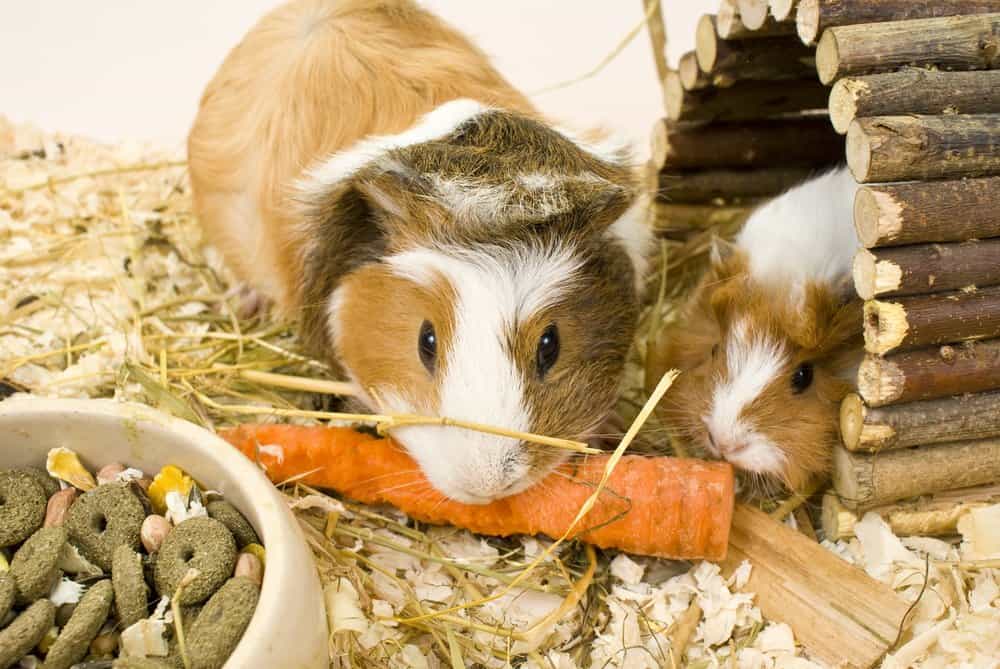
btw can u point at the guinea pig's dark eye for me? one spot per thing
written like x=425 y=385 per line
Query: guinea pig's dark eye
x=548 y=350
x=427 y=346
x=715 y=350
x=802 y=377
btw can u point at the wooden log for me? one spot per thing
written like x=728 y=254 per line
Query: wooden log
x=795 y=142
x=956 y=418
x=925 y=268
x=914 y=90
x=906 y=323
x=782 y=10
x=943 y=211
x=657 y=36
x=864 y=480
x=932 y=373
x=798 y=582
x=743 y=101
x=673 y=220
x=753 y=13
x=726 y=184
x=948 y=43
x=692 y=78
x=760 y=59
x=928 y=515
x=900 y=148
x=729 y=26
x=814 y=16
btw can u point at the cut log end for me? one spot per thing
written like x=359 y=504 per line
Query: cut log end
x=877 y=217
x=781 y=10
x=827 y=56
x=753 y=13
x=692 y=78
x=859 y=152
x=658 y=144
x=845 y=475
x=807 y=21
x=705 y=46
x=727 y=20
x=874 y=277
x=673 y=95
x=880 y=381
x=852 y=420
x=838 y=521
x=885 y=326
x=844 y=103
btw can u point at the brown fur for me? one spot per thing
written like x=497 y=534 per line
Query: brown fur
x=311 y=78
x=825 y=331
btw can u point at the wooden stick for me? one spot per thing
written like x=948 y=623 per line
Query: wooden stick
x=944 y=211
x=871 y=429
x=673 y=220
x=800 y=583
x=782 y=10
x=949 y=43
x=692 y=78
x=730 y=27
x=900 y=148
x=914 y=90
x=929 y=515
x=815 y=16
x=797 y=142
x=930 y=373
x=657 y=36
x=864 y=481
x=923 y=268
x=906 y=323
x=761 y=59
x=753 y=13
x=742 y=101
x=703 y=186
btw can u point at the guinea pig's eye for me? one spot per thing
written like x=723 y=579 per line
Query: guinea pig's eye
x=715 y=351
x=802 y=377
x=548 y=350
x=427 y=346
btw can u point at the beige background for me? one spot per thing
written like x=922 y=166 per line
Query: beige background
x=135 y=68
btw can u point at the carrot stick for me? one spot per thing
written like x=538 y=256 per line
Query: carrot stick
x=665 y=507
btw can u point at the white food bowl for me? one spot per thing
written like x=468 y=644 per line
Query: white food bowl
x=288 y=628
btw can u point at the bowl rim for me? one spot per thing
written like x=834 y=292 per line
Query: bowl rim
x=285 y=543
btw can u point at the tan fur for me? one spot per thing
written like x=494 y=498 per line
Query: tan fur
x=311 y=78
x=824 y=331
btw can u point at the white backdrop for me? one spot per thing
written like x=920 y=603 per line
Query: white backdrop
x=135 y=68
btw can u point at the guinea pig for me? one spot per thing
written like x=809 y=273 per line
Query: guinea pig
x=364 y=167
x=771 y=339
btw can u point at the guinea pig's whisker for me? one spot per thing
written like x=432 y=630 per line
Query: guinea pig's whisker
x=404 y=472
x=402 y=486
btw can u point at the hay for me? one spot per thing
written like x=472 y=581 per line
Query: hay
x=106 y=291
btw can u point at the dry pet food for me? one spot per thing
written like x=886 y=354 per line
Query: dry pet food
x=117 y=570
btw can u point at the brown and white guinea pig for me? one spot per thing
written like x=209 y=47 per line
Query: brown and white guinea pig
x=364 y=167
x=771 y=339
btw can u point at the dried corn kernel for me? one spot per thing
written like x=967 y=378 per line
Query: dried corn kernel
x=258 y=551
x=65 y=465
x=169 y=479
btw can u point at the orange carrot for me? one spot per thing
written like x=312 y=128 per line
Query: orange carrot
x=664 y=507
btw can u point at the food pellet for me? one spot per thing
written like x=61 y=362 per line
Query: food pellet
x=103 y=519
x=35 y=566
x=18 y=638
x=131 y=598
x=221 y=623
x=22 y=506
x=86 y=622
x=203 y=544
x=227 y=514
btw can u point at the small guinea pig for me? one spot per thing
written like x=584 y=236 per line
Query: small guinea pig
x=364 y=167
x=771 y=339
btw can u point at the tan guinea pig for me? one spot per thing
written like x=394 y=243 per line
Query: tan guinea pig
x=363 y=166
x=771 y=340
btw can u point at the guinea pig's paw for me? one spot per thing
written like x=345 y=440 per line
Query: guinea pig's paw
x=250 y=303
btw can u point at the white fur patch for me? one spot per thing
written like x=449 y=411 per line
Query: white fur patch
x=805 y=233
x=632 y=231
x=496 y=290
x=613 y=148
x=438 y=123
x=752 y=362
x=548 y=195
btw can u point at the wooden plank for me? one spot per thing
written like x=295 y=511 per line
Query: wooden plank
x=706 y=185
x=728 y=61
x=742 y=101
x=840 y=614
x=949 y=43
x=941 y=211
x=901 y=148
x=913 y=90
x=926 y=268
x=956 y=418
x=815 y=16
